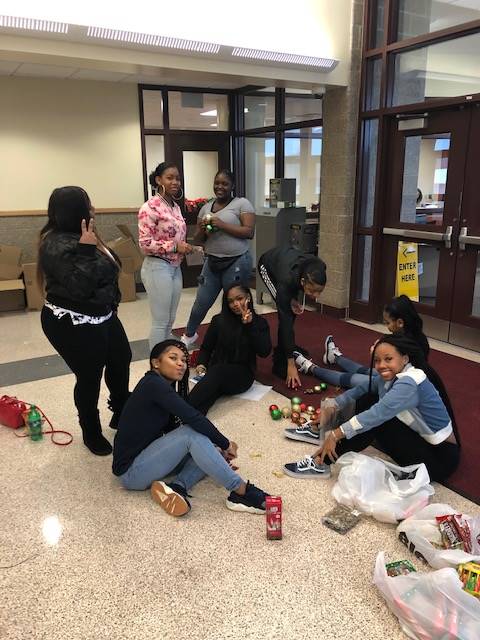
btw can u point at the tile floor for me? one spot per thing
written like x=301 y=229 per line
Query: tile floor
x=95 y=561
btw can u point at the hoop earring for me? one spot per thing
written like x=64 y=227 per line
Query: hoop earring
x=162 y=195
x=179 y=197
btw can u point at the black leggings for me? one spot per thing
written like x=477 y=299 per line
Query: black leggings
x=88 y=349
x=220 y=380
x=406 y=447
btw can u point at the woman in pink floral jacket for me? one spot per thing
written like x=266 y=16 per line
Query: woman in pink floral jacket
x=162 y=233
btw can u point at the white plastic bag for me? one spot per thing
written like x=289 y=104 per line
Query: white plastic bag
x=430 y=606
x=421 y=529
x=381 y=489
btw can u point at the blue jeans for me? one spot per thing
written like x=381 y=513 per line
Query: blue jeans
x=163 y=283
x=210 y=284
x=352 y=375
x=183 y=446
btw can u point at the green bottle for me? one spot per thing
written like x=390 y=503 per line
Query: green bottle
x=34 y=422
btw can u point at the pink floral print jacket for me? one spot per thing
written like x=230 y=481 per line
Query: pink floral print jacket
x=160 y=228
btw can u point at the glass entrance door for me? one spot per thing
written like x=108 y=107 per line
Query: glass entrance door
x=198 y=157
x=433 y=202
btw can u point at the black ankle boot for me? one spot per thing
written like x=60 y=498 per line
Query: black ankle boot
x=92 y=436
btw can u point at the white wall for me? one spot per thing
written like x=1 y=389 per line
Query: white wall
x=59 y=132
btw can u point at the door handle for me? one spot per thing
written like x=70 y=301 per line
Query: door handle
x=422 y=235
x=464 y=239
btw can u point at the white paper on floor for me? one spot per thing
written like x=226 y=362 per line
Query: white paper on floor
x=256 y=392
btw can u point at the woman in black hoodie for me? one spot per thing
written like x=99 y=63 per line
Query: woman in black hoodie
x=228 y=356
x=79 y=317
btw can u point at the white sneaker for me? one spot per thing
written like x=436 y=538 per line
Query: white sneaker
x=188 y=341
x=302 y=362
x=331 y=351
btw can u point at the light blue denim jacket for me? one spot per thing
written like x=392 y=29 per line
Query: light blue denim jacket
x=410 y=397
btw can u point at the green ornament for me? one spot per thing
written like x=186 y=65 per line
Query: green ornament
x=276 y=414
x=296 y=408
x=323 y=386
x=208 y=228
x=296 y=400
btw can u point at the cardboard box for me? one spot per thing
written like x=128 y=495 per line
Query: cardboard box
x=125 y=247
x=10 y=267
x=126 y=281
x=12 y=295
x=35 y=295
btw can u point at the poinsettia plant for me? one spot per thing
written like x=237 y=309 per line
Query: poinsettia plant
x=194 y=206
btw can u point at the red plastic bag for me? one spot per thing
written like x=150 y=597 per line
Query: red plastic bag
x=11 y=412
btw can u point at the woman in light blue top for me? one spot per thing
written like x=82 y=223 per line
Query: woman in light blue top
x=225 y=227
x=412 y=420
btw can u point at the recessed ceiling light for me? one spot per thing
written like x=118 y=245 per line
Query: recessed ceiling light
x=33 y=24
x=245 y=110
x=210 y=114
x=327 y=64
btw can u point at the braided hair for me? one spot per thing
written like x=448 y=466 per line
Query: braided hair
x=407 y=346
x=402 y=308
x=181 y=387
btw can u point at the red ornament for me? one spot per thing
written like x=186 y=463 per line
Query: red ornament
x=318 y=411
x=272 y=407
x=303 y=407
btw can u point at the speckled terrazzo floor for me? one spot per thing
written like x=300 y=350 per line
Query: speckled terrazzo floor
x=123 y=569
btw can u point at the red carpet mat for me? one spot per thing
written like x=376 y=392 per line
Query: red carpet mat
x=461 y=378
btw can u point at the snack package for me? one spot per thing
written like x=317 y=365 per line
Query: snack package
x=455 y=532
x=470 y=576
x=399 y=568
x=341 y=519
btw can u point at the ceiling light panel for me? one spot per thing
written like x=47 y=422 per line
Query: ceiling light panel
x=287 y=58
x=32 y=24
x=152 y=40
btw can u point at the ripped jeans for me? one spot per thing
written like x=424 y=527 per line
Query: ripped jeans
x=210 y=284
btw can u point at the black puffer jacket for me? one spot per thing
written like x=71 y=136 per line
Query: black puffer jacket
x=78 y=276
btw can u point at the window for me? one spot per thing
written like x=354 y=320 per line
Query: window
x=152 y=109
x=259 y=168
x=259 y=111
x=441 y=70
x=303 y=151
x=300 y=109
x=198 y=111
x=418 y=17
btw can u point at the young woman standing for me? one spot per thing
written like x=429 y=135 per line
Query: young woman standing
x=228 y=260
x=162 y=238
x=79 y=317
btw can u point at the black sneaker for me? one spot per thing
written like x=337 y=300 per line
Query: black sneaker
x=305 y=433
x=306 y=468
x=172 y=497
x=252 y=502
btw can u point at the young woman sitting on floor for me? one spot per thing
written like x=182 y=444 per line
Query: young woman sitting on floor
x=161 y=435
x=412 y=421
x=228 y=356
x=400 y=318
